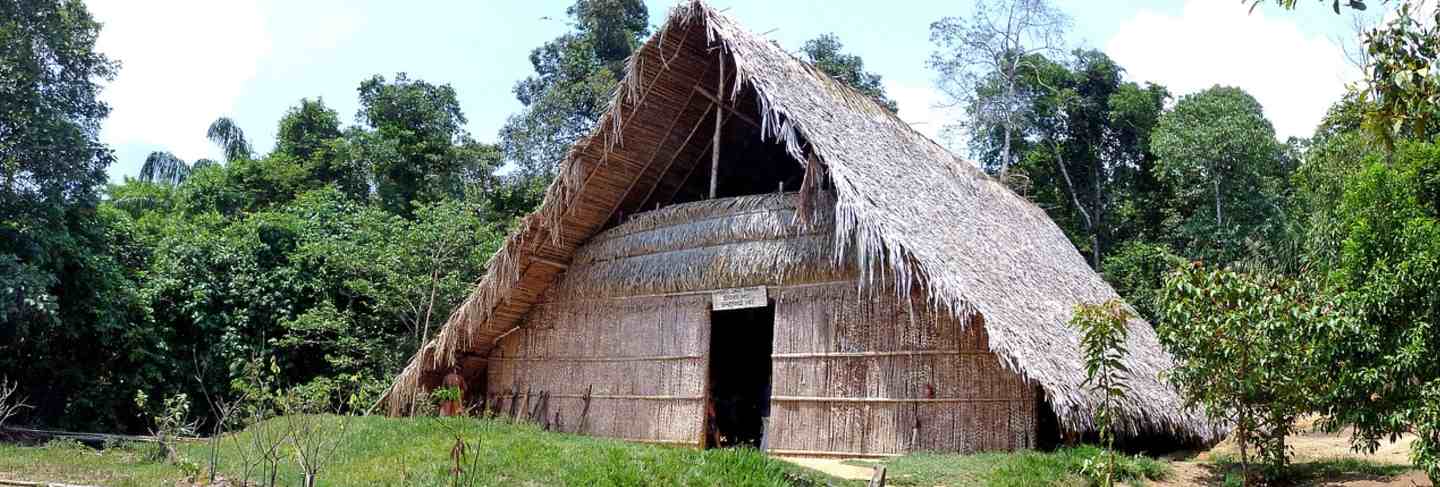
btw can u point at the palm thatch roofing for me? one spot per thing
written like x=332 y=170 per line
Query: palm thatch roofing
x=905 y=211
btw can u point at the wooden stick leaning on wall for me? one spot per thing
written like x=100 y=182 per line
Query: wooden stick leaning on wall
x=584 y=410
x=524 y=408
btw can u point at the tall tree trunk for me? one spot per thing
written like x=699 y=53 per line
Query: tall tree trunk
x=1219 y=220
x=1090 y=225
x=1099 y=211
x=1009 y=122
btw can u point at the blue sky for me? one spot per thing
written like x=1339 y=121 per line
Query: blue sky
x=187 y=62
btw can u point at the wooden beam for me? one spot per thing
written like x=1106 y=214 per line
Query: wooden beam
x=94 y=437
x=690 y=173
x=550 y=263
x=716 y=100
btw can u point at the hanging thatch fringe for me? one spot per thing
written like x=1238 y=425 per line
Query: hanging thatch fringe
x=906 y=213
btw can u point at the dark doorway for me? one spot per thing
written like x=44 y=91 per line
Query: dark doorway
x=740 y=345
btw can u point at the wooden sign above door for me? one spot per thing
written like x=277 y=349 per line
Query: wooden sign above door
x=739 y=298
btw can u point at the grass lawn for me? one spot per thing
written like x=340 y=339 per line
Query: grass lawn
x=71 y=462
x=416 y=451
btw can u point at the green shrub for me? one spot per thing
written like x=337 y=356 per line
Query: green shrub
x=1242 y=353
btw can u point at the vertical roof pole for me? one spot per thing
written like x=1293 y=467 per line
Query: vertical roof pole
x=715 y=142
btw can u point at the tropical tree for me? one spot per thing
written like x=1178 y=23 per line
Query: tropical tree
x=162 y=167
x=990 y=48
x=575 y=74
x=1218 y=151
x=307 y=129
x=1404 y=75
x=309 y=134
x=202 y=164
x=1381 y=358
x=1242 y=353
x=1083 y=148
x=66 y=279
x=827 y=53
x=1103 y=330
x=225 y=133
x=1402 y=63
x=416 y=143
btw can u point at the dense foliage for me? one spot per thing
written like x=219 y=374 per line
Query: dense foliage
x=1219 y=153
x=1383 y=356
x=333 y=256
x=575 y=74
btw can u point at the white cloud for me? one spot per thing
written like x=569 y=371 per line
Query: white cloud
x=920 y=107
x=1296 y=77
x=183 y=63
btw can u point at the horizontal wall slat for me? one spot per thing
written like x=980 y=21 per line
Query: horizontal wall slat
x=922 y=400
x=632 y=396
x=902 y=353
x=654 y=358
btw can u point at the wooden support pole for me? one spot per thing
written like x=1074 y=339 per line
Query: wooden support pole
x=715 y=143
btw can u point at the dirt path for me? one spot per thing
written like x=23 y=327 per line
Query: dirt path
x=832 y=466
x=1200 y=471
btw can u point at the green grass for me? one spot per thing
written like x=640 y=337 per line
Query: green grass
x=415 y=451
x=1028 y=468
x=71 y=462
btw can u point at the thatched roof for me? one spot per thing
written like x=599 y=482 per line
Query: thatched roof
x=905 y=211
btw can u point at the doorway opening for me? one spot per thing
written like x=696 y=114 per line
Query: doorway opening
x=739 y=399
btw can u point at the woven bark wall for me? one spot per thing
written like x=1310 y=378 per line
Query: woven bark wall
x=641 y=362
x=861 y=374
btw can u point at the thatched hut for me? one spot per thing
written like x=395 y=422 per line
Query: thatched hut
x=746 y=250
